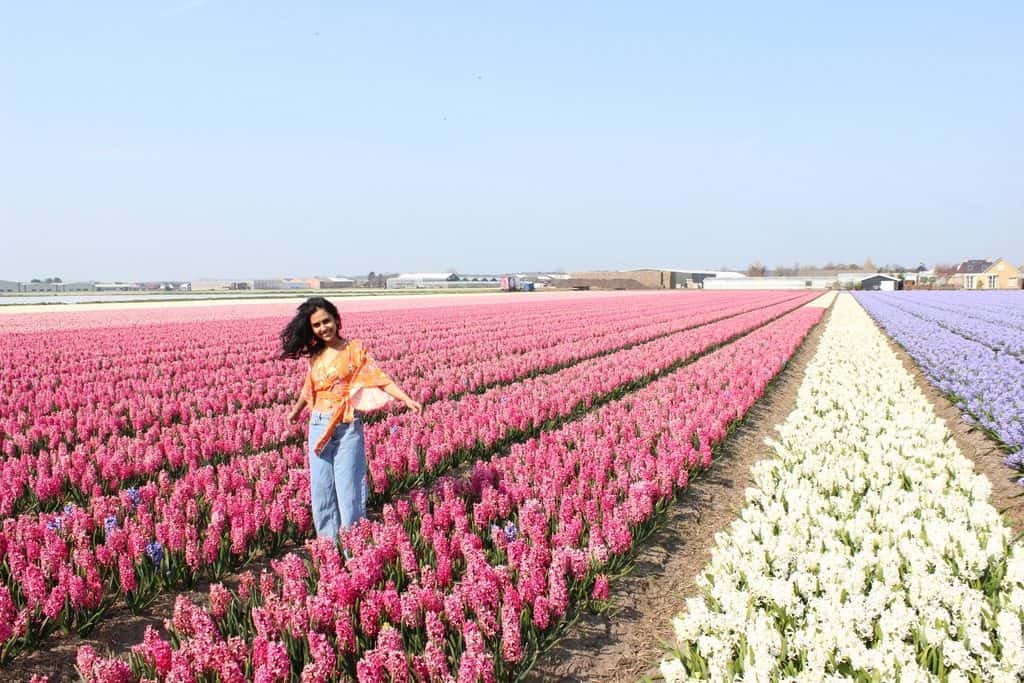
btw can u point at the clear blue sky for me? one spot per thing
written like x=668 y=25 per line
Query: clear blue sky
x=178 y=138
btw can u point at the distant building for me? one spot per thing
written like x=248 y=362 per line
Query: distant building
x=442 y=281
x=769 y=282
x=278 y=283
x=919 y=277
x=41 y=286
x=117 y=287
x=646 y=278
x=11 y=286
x=868 y=281
x=331 y=282
x=420 y=280
x=880 y=281
x=987 y=273
x=653 y=278
x=79 y=287
x=222 y=285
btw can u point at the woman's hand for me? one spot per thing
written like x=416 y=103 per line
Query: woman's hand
x=414 y=405
x=300 y=403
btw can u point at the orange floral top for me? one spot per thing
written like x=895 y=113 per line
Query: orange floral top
x=347 y=382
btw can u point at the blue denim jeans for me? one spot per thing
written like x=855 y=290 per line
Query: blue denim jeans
x=337 y=477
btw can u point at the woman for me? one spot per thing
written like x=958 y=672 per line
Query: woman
x=342 y=381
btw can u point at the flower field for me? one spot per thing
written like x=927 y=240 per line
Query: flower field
x=151 y=455
x=868 y=549
x=143 y=456
x=971 y=346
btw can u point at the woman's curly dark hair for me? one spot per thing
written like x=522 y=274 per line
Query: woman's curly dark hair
x=297 y=338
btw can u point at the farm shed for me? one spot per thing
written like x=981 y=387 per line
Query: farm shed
x=878 y=281
x=986 y=273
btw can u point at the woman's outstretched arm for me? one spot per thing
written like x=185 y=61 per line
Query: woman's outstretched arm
x=394 y=390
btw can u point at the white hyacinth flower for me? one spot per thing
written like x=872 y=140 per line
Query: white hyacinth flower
x=861 y=547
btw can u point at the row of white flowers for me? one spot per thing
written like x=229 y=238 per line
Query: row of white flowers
x=868 y=549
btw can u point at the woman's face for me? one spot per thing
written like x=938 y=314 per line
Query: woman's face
x=325 y=327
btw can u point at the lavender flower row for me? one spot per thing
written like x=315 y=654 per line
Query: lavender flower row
x=1001 y=307
x=984 y=383
x=996 y=330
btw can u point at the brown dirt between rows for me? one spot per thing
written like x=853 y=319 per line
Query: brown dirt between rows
x=118 y=630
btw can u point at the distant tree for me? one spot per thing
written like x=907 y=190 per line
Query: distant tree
x=869 y=265
x=756 y=269
x=36 y=280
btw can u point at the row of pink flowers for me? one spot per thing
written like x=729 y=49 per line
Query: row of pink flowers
x=406 y=445
x=73 y=319
x=466 y=580
x=70 y=386
x=212 y=518
x=90 y=451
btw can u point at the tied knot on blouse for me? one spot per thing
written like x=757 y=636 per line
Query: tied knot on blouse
x=343 y=383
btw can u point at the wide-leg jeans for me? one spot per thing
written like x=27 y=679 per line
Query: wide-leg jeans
x=337 y=477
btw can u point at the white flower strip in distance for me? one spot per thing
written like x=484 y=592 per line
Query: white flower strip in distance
x=868 y=549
